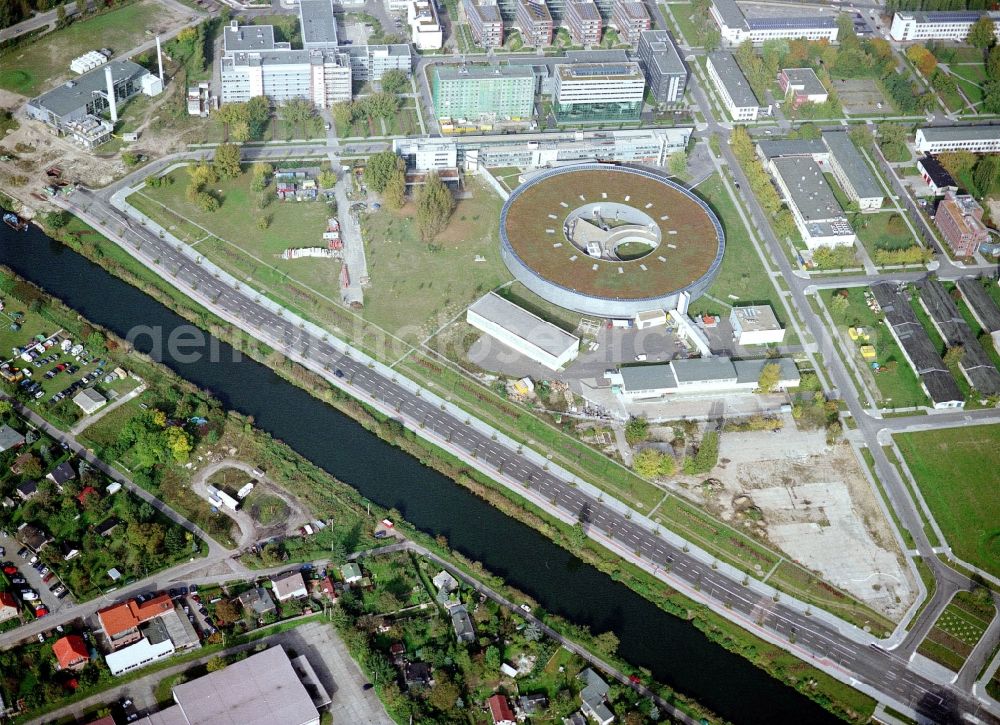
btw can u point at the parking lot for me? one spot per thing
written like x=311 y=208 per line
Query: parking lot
x=41 y=582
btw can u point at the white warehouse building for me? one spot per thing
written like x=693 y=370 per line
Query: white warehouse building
x=703 y=376
x=909 y=25
x=523 y=332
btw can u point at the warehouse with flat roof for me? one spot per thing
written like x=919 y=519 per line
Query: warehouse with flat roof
x=523 y=332
x=852 y=172
x=697 y=376
x=978 y=139
x=817 y=213
x=87 y=95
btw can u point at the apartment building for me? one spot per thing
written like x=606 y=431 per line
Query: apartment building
x=371 y=62
x=534 y=22
x=959 y=218
x=978 y=139
x=583 y=21
x=852 y=172
x=735 y=27
x=630 y=19
x=909 y=25
x=425 y=27
x=665 y=72
x=732 y=86
x=483 y=92
x=588 y=92
x=485 y=22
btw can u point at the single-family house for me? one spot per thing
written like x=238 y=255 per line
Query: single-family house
x=8 y=606
x=461 y=622
x=67 y=550
x=326 y=588
x=71 y=652
x=120 y=622
x=500 y=710
x=445 y=582
x=32 y=536
x=257 y=601
x=592 y=697
x=289 y=585
x=532 y=704
x=107 y=526
x=417 y=674
x=10 y=438
x=61 y=473
x=351 y=573
x=26 y=490
x=397 y=650
x=89 y=401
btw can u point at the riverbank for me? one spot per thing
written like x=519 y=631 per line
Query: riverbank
x=742 y=641
x=329 y=498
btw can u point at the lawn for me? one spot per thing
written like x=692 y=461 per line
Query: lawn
x=897 y=383
x=741 y=276
x=30 y=70
x=956 y=469
x=882 y=230
x=417 y=286
x=265 y=508
x=956 y=632
x=692 y=30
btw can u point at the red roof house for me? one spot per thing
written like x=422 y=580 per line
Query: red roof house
x=500 y=710
x=71 y=651
x=121 y=621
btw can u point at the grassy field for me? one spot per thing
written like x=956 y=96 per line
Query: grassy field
x=897 y=384
x=742 y=274
x=416 y=286
x=884 y=230
x=956 y=632
x=29 y=71
x=956 y=469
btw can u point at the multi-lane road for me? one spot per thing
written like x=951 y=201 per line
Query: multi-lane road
x=837 y=648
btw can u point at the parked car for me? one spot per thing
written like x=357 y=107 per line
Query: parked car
x=23 y=553
x=41 y=611
x=20 y=580
x=29 y=595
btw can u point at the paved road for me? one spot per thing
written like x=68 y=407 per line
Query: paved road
x=817 y=637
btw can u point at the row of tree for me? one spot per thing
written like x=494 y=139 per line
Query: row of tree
x=760 y=183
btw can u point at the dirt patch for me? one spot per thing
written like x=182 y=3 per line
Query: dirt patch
x=813 y=502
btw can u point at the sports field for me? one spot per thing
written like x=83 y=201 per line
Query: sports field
x=958 y=471
x=34 y=68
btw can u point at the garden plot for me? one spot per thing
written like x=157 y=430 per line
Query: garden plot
x=814 y=503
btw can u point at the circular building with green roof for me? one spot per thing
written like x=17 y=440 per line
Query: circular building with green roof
x=610 y=241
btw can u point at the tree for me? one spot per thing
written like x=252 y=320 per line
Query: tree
x=958 y=163
x=227 y=160
x=707 y=456
x=202 y=174
x=395 y=191
x=607 y=643
x=381 y=168
x=986 y=173
x=981 y=34
x=130 y=158
x=922 y=58
x=297 y=112
x=226 y=612
x=6 y=407
x=61 y=21
x=394 y=81
x=839 y=304
x=327 y=179
x=677 y=163
x=647 y=462
x=445 y=692
x=993 y=62
x=215 y=664
x=953 y=355
x=636 y=430
x=770 y=374
x=343 y=113
x=258 y=111
x=179 y=442
x=491 y=661
x=434 y=207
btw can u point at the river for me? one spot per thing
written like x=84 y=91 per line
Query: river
x=675 y=652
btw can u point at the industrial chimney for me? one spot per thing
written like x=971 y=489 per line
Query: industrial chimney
x=111 y=94
x=159 y=59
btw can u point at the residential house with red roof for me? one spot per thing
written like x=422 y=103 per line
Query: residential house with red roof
x=500 y=710
x=120 y=622
x=71 y=652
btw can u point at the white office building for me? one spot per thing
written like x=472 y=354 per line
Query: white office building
x=818 y=215
x=915 y=25
x=755 y=325
x=524 y=333
x=599 y=83
x=735 y=27
x=527 y=151
x=425 y=28
x=978 y=139
x=732 y=86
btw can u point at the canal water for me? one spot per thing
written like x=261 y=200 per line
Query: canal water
x=676 y=652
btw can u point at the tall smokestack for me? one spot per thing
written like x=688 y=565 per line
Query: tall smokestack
x=159 y=58
x=111 y=94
